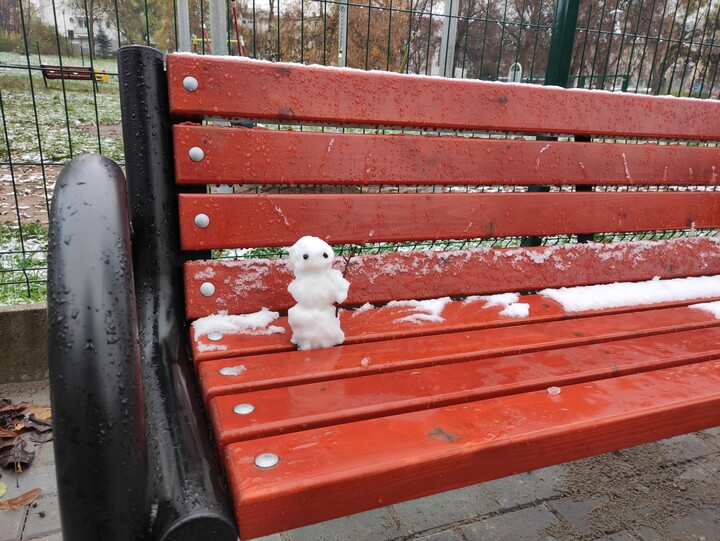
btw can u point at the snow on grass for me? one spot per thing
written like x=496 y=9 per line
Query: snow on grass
x=255 y=323
x=23 y=264
x=616 y=295
x=427 y=310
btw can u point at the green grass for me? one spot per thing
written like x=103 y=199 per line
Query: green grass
x=69 y=121
x=23 y=263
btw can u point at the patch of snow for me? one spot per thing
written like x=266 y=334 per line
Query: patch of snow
x=364 y=308
x=202 y=348
x=427 y=310
x=255 y=323
x=365 y=361
x=553 y=391
x=712 y=307
x=517 y=309
x=233 y=370
x=620 y=294
x=502 y=299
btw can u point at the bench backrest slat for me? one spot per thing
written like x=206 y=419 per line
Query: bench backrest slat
x=248 y=221
x=232 y=87
x=249 y=285
x=258 y=156
x=617 y=178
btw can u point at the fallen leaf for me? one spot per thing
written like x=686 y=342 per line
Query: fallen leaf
x=7 y=433
x=18 y=427
x=21 y=501
x=41 y=437
x=16 y=455
x=3 y=489
x=41 y=413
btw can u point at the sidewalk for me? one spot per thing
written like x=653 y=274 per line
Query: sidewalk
x=669 y=490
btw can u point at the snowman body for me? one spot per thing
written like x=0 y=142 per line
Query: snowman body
x=316 y=288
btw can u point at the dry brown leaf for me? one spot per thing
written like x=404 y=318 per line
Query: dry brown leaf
x=41 y=413
x=21 y=501
x=4 y=433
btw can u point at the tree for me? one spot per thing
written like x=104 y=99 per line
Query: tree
x=103 y=43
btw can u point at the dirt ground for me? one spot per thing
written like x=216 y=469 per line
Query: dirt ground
x=31 y=192
x=643 y=487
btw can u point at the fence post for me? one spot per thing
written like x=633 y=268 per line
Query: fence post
x=448 y=37
x=558 y=69
x=561 y=44
x=183 y=26
x=218 y=27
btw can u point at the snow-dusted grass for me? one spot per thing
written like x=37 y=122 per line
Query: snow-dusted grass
x=23 y=264
x=67 y=121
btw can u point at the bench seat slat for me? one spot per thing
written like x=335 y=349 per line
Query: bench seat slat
x=258 y=156
x=239 y=87
x=289 y=409
x=333 y=471
x=251 y=221
x=246 y=286
x=388 y=323
x=298 y=367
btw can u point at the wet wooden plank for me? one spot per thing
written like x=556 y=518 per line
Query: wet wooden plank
x=291 y=158
x=246 y=286
x=240 y=87
x=334 y=471
x=251 y=221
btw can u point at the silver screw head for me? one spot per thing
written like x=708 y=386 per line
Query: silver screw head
x=190 y=84
x=207 y=289
x=244 y=409
x=266 y=461
x=202 y=221
x=196 y=154
x=215 y=336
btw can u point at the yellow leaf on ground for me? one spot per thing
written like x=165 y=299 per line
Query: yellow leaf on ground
x=20 y=501
x=42 y=413
x=3 y=489
x=18 y=427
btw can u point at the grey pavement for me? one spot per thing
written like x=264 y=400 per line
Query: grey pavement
x=668 y=490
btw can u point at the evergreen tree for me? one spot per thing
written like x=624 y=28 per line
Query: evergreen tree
x=103 y=43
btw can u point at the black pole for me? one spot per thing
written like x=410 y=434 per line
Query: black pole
x=186 y=481
x=557 y=71
x=561 y=44
x=94 y=360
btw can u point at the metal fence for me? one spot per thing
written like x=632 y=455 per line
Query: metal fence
x=645 y=46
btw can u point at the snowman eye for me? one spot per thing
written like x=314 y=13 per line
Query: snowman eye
x=325 y=255
x=305 y=256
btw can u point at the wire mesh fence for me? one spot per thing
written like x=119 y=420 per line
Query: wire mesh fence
x=643 y=46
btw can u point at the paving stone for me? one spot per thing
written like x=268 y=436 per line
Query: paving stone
x=576 y=512
x=645 y=533
x=376 y=525
x=686 y=447
x=43 y=518
x=701 y=524
x=526 y=488
x=47 y=454
x=35 y=476
x=445 y=508
x=273 y=537
x=445 y=535
x=693 y=472
x=11 y=524
x=522 y=525
x=619 y=536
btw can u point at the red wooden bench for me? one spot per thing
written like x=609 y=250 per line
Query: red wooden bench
x=72 y=73
x=405 y=409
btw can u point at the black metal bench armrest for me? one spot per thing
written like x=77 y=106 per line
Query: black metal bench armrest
x=97 y=400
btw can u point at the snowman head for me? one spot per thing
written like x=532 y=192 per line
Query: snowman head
x=310 y=255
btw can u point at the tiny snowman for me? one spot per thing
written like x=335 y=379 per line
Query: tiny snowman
x=317 y=286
